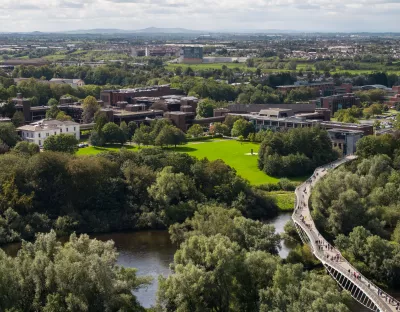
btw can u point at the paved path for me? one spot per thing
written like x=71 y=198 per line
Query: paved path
x=339 y=268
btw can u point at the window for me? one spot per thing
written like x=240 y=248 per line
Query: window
x=55 y=133
x=40 y=142
x=74 y=128
x=39 y=135
x=60 y=130
x=47 y=134
x=67 y=129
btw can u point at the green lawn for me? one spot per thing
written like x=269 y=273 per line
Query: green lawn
x=284 y=200
x=233 y=153
x=91 y=150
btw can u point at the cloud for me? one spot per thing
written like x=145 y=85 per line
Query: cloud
x=303 y=15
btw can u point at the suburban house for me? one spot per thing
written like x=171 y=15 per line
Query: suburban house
x=37 y=132
x=72 y=82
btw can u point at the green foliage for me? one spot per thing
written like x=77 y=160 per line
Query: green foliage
x=62 y=116
x=370 y=146
x=18 y=119
x=374 y=256
x=90 y=108
x=205 y=108
x=218 y=128
x=53 y=111
x=242 y=127
x=170 y=135
x=296 y=152
x=25 y=147
x=8 y=134
x=66 y=143
x=349 y=115
x=113 y=191
x=81 y=275
x=222 y=265
x=195 y=131
x=113 y=134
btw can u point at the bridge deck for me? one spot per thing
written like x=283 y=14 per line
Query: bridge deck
x=338 y=267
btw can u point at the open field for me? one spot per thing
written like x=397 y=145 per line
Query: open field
x=284 y=200
x=303 y=66
x=91 y=150
x=233 y=153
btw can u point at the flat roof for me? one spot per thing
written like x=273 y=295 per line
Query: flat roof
x=306 y=85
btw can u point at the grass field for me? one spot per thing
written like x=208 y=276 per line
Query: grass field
x=233 y=153
x=284 y=200
x=91 y=150
x=303 y=66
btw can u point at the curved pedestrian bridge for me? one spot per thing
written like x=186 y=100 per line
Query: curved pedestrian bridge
x=360 y=288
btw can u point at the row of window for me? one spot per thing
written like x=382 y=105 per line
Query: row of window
x=31 y=134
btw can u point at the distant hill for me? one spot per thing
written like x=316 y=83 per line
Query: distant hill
x=150 y=30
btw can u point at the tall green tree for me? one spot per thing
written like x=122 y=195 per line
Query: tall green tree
x=65 y=143
x=90 y=107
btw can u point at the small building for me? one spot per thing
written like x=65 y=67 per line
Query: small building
x=345 y=140
x=276 y=112
x=38 y=132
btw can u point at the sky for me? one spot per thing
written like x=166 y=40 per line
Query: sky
x=207 y=15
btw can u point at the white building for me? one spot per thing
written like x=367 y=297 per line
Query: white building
x=37 y=132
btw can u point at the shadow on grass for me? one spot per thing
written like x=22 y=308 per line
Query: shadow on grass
x=183 y=149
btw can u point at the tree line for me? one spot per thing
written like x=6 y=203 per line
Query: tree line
x=296 y=152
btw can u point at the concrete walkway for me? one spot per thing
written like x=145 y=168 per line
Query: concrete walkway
x=339 y=268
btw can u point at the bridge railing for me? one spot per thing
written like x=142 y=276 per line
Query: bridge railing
x=363 y=285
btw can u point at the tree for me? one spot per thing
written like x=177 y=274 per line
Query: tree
x=125 y=130
x=90 y=107
x=53 y=111
x=96 y=139
x=195 y=131
x=25 y=147
x=170 y=135
x=18 y=119
x=113 y=134
x=62 y=116
x=69 y=276
x=172 y=188
x=142 y=135
x=219 y=128
x=242 y=127
x=8 y=134
x=65 y=143
x=205 y=108
x=132 y=128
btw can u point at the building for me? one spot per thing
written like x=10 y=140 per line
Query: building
x=318 y=118
x=112 y=97
x=251 y=108
x=38 y=132
x=345 y=140
x=74 y=83
x=191 y=55
x=276 y=112
x=323 y=88
x=337 y=102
